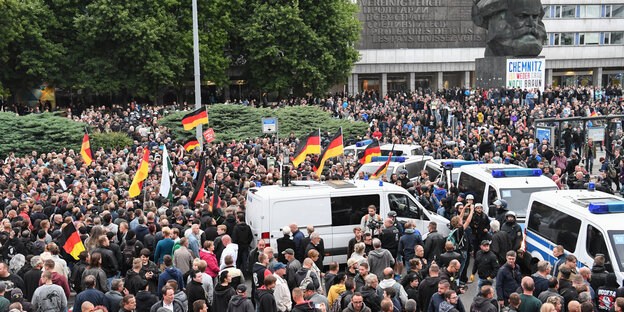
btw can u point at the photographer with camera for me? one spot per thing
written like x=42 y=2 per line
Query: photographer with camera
x=372 y=222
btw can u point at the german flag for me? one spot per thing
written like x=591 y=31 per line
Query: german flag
x=191 y=144
x=195 y=118
x=215 y=201
x=200 y=184
x=310 y=145
x=71 y=242
x=85 y=150
x=335 y=148
x=383 y=168
x=592 y=114
x=140 y=176
x=371 y=150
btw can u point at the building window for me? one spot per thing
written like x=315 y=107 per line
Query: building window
x=590 y=11
x=614 y=37
x=614 y=10
x=589 y=38
x=565 y=11
x=564 y=39
x=547 y=11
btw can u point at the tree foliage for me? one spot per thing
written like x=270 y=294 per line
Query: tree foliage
x=303 y=46
x=237 y=122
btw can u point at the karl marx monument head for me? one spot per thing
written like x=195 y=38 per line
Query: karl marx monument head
x=514 y=27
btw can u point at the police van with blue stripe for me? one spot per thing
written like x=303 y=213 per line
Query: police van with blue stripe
x=586 y=223
x=514 y=184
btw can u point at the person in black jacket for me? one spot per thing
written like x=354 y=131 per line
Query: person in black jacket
x=434 y=243
x=480 y=226
x=486 y=264
x=195 y=289
x=500 y=242
x=508 y=278
x=243 y=237
x=223 y=292
x=369 y=293
x=266 y=300
x=109 y=261
x=144 y=298
x=450 y=254
x=428 y=287
x=284 y=243
x=566 y=289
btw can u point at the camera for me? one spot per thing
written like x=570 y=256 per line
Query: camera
x=374 y=224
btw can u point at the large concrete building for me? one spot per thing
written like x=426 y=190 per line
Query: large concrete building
x=411 y=44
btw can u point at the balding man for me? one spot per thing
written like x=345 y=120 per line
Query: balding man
x=89 y=294
x=528 y=303
x=231 y=249
x=50 y=297
x=574 y=306
x=306 y=272
x=389 y=282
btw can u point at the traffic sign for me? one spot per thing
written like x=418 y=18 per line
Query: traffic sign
x=269 y=125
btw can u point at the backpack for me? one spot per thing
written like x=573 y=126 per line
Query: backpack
x=128 y=254
x=459 y=245
x=611 y=171
x=337 y=305
x=306 y=281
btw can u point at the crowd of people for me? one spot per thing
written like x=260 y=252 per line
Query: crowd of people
x=150 y=253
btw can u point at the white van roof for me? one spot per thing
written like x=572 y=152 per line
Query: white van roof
x=576 y=202
x=484 y=173
x=319 y=188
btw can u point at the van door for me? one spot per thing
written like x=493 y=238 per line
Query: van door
x=303 y=212
x=595 y=244
x=408 y=210
x=346 y=213
x=491 y=196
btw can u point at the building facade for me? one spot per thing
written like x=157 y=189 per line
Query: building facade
x=410 y=44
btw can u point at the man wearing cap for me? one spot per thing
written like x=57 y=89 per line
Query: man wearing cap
x=501 y=210
x=403 y=178
x=292 y=266
x=240 y=302
x=281 y=292
x=486 y=264
x=313 y=296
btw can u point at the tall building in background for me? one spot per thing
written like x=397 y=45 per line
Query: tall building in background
x=410 y=44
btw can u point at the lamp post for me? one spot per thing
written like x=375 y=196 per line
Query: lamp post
x=198 y=130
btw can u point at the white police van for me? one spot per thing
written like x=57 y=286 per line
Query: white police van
x=413 y=165
x=585 y=223
x=334 y=208
x=514 y=184
x=399 y=149
x=450 y=168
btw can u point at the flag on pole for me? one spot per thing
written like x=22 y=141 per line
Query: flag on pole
x=215 y=201
x=309 y=145
x=371 y=150
x=70 y=241
x=85 y=150
x=195 y=118
x=383 y=168
x=335 y=148
x=167 y=176
x=191 y=144
x=140 y=176
x=200 y=183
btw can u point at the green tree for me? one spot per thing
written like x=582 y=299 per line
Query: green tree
x=27 y=55
x=303 y=46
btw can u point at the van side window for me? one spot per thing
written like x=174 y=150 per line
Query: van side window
x=596 y=245
x=492 y=197
x=472 y=185
x=404 y=206
x=413 y=169
x=433 y=174
x=349 y=210
x=556 y=226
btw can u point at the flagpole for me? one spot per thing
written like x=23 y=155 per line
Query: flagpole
x=196 y=71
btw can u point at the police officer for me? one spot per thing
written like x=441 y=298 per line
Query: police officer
x=513 y=230
x=390 y=237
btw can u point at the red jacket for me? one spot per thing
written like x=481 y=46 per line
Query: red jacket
x=212 y=267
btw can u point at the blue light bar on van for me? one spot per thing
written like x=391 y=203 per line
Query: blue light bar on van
x=459 y=163
x=607 y=207
x=385 y=158
x=363 y=143
x=516 y=172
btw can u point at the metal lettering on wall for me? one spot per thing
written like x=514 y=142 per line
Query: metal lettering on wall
x=413 y=24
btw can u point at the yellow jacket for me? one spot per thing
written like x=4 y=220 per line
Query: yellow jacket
x=334 y=292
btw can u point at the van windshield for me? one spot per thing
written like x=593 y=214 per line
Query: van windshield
x=617 y=241
x=518 y=199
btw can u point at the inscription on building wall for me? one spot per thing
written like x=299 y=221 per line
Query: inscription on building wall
x=414 y=24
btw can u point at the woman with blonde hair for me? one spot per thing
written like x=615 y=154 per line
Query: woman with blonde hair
x=359 y=252
x=547 y=307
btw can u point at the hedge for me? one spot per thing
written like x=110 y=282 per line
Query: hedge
x=238 y=122
x=46 y=133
